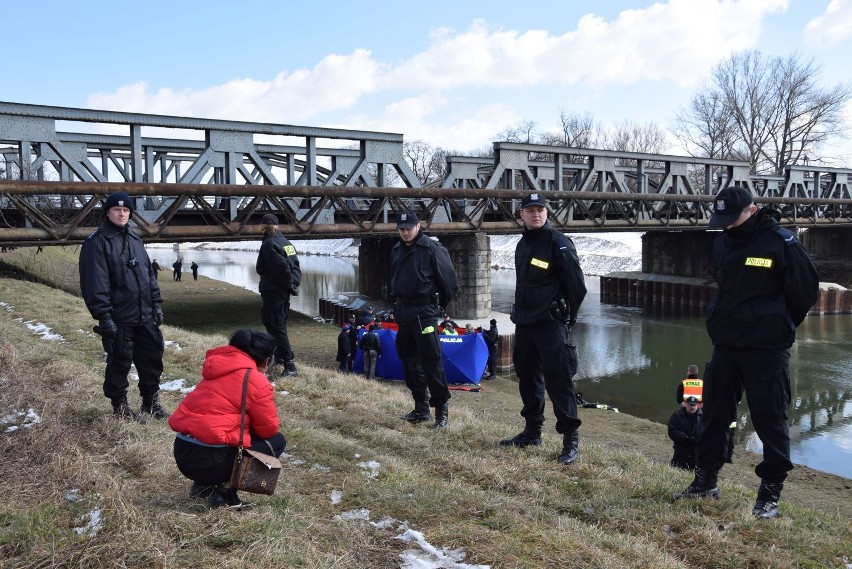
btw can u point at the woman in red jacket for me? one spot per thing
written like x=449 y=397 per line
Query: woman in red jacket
x=207 y=421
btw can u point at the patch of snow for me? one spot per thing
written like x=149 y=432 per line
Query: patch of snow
x=430 y=557
x=92 y=523
x=320 y=467
x=20 y=420
x=386 y=522
x=168 y=343
x=335 y=497
x=599 y=253
x=72 y=495
x=370 y=468
x=351 y=515
x=176 y=385
x=44 y=331
x=7 y=306
x=291 y=459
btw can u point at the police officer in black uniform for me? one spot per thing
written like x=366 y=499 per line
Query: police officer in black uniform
x=684 y=428
x=423 y=282
x=121 y=292
x=766 y=285
x=280 y=277
x=548 y=294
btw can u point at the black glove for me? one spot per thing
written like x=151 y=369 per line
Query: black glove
x=560 y=310
x=294 y=290
x=106 y=327
x=158 y=315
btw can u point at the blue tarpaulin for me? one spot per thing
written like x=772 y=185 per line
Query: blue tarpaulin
x=465 y=357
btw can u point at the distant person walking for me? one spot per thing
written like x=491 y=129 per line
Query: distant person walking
x=194 y=267
x=423 y=282
x=177 y=266
x=155 y=268
x=122 y=294
x=549 y=290
x=766 y=285
x=280 y=277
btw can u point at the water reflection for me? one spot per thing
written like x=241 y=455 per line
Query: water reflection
x=630 y=360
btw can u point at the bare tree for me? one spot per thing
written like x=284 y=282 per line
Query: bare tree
x=524 y=132
x=769 y=111
x=428 y=163
x=579 y=130
x=630 y=136
x=704 y=129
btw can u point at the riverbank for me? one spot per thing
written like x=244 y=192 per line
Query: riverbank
x=514 y=508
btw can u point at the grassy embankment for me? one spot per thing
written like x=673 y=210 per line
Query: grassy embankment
x=506 y=508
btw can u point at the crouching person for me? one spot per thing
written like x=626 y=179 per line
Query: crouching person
x=207 y=421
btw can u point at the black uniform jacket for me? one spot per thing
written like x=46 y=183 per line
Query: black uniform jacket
x=278 y=265
x=116 y=276
x=419 y=271
x=370 y=341
x=683 y=426
x=767 y=284
x=547 y=268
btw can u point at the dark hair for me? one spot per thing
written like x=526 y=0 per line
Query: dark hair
x=258 y=345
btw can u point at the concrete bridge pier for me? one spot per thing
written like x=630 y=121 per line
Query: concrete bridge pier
x=831 y=250
x=471 y=256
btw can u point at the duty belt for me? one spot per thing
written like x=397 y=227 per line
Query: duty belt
x=416 y=301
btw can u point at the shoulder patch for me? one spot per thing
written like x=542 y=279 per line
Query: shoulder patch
x=786 y=235
x=92 y=235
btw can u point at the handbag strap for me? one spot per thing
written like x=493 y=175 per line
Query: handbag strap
x=243 y=410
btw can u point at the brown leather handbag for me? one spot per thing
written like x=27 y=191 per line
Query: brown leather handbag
x=253 y=471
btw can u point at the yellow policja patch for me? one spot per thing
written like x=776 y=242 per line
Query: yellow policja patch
x=289 y=250
x=539 y=263
x=758 y=262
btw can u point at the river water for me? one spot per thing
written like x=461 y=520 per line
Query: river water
x=629 y=359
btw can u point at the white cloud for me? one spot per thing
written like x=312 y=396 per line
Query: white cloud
x=337 y=82
x=832 y=27
x=679 y=41
x=467 y=86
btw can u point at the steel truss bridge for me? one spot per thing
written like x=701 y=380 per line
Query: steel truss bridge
x=212 y=180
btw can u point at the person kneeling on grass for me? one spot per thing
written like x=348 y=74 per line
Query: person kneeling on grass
x=207 y=421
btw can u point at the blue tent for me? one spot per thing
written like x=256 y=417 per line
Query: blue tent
x=465 y=357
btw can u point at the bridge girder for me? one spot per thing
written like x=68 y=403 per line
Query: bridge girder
x=214 y=179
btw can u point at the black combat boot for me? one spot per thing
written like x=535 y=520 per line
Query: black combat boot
x=703 y=486
x=420 y=413
x=530 y=436
x=121 y=409
x=570 y=451
x=766 y=506
x=289 y=369
x=151 y=406
x=222 y=496
x=200 y=491
x=441 y=416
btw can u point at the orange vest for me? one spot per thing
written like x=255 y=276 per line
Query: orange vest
x=692 y=388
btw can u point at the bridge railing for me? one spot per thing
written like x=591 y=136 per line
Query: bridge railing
x=66 y=212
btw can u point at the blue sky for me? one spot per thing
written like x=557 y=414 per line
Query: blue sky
x=453 y=74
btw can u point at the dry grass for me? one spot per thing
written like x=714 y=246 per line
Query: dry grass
x=506 y=508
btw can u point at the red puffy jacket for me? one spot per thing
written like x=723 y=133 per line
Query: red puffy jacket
x=211 y=412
